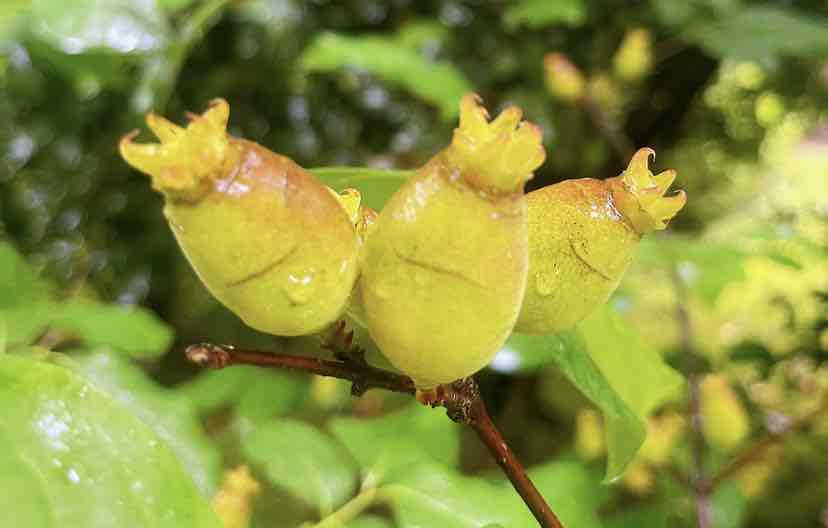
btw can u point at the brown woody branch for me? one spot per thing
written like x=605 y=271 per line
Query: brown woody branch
x=461 y=400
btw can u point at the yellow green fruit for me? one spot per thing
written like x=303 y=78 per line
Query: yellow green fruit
x=270 y=242
x=444 y=270
x=634 y=58
x=726 y=423
x=582 y=236
x=563 y=79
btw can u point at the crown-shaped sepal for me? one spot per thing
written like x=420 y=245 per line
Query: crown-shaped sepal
x=499 y=155
x=641 y=196
x=186 y=158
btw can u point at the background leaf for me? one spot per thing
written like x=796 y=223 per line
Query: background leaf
x=375 y=186
x=18 y=281
x=133 y=330
x=72 y=456
x=303 y=461
x=439 y=83
x=388 y=446
x=102 y=26
x=169 y=414
x=536 y=14
x=624 y=429
x=706 y=268
x=430 y=495
x=434 y=496
x=634 y=370
x=251 y=392
x=761 y=33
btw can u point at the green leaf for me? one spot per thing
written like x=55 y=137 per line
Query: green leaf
x=633 y=369
x=132 y=330
x=679 y=12
x=536 y=14
x=434 y=496
x=729 y=506
x=11 y=17
x=384 y=453
x=375 y=185
x=655 y=515
x=574 y=490
x=118 y=27
x=303 y=461
x=419 y=33
x=706 y=268
x=369 y=521
x=763 y=32
x=18 y=281
x=431 y=495
x=72 y=456
x=624 y=429
x=174 y=5
x=171 y=416
x=439 y=83
x=253 y=393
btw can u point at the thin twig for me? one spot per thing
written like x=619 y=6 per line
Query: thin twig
x=362 y=377
x=699 y=483
x=461 y=400
x=755 y=452
x=620 y=143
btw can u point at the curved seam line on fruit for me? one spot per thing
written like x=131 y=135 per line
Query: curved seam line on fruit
x=435 y=269
x=582 y=259
x=264 y=271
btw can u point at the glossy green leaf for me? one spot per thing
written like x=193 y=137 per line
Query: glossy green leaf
x=132 y=330
x=72 y=456
x=633 y=369
x=170 y=415
x=375 y=185
x=101 y=26
x=302 y=460
x=762 y=32
x=624 y=429
x=435 y=496
x=439 y=83
x=18 y=281
x=537 y=14
x=383 y=451
x=253 y=393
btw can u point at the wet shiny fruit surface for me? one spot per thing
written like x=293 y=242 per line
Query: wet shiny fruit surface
x=582 y=237
x=269 y=241
x=444 y=271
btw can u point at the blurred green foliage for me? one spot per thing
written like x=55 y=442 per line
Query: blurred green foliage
x=101 y=408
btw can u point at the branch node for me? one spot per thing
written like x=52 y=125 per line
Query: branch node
x=209 y=355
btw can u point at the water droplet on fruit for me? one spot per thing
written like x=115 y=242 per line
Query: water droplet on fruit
x=544 y=284
x=299 y=287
